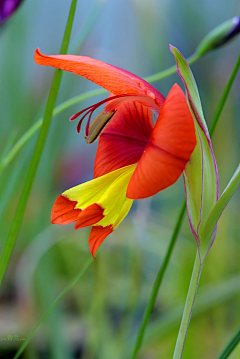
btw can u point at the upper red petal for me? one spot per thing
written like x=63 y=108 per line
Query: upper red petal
x=112 y=78
x=89 y=216
x=97 y=236
x=63 y=211
x=168 y=150
x=124 y=138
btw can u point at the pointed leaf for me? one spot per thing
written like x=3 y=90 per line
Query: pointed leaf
x=200 y=175
x=221 y=204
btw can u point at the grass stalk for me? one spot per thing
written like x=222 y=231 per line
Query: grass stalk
x=21 y=207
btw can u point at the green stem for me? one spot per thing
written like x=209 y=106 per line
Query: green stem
x=224 y=198
x=56 y=301
x=192 y=291
x=224 y=96
x=17 y=220
x=220 y=206
x=7 y=147
x=171 y=70
x=165 y=262
x=158 y=281
x=210 y=296
x=231 y=345
x=73 y=101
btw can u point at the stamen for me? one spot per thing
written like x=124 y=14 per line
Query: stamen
x=98 y=125
x=90 y=111
x=79 y=126
x=72 y=118
x=80 y=122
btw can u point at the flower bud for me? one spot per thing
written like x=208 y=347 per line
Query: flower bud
x=219 y=36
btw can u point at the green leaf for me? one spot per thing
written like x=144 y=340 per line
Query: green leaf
x=200 y=175
x=221 y=204
x=32 y=170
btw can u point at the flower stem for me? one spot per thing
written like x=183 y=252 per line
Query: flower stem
x=21 y=207
x=192 y=291
x=224 y=96
x=171 y=70
x=158 y=281
x=231 y=345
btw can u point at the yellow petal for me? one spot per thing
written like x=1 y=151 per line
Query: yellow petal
x=92 y=191
x=114 y=199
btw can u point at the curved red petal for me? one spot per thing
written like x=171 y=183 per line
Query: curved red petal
x=169 y=148
x=63 y=211
x=112 y=78
x=124 y=138
x=97 y=236
x=89 y=216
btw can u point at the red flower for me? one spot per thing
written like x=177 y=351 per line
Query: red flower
x=135 y=158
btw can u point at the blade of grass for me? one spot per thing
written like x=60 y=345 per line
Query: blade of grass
x=57 y=300
x=224 y=96
x=9 y=143
x=21 y=207
x=177 y=227
x=231 y=345
x=10 y=184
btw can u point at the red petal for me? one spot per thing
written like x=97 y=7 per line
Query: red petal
x=124 y=138
x=97 y=236
x=168 y=150
x=89 y=216
x=111 y=78
x=63 y=211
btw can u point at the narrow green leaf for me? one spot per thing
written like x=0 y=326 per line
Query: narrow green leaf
x=22 y=204
x=221 y=204
x=224 y=96
x=231 y=345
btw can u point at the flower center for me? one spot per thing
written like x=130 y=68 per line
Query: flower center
x=93 y=131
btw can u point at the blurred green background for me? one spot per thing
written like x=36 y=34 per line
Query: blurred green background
x=101 y=315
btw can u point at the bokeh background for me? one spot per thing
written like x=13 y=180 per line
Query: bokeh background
x=101 y=315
